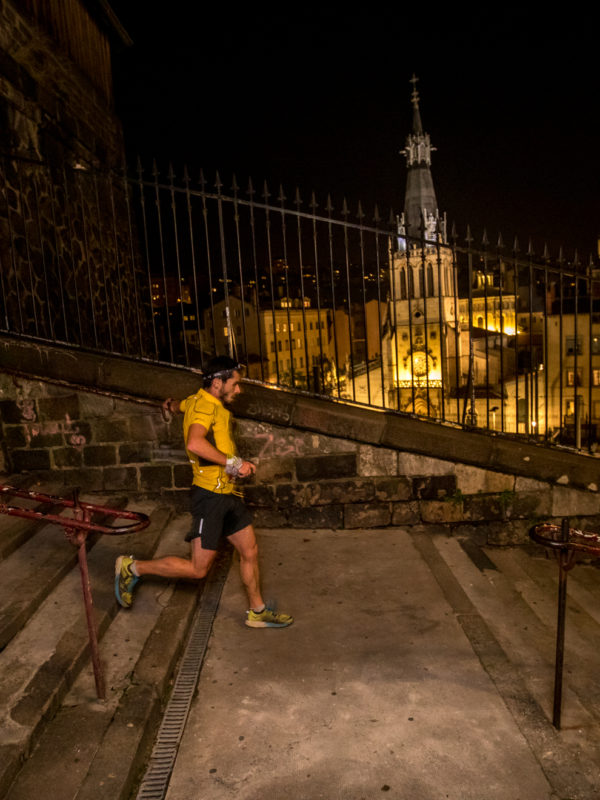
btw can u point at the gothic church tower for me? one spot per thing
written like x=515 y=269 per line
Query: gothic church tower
x=421 y=337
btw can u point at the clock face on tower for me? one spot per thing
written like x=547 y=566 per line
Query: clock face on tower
x=419 y=363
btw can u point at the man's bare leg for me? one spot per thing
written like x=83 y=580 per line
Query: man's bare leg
x=245 y=543
x=174 y=567
x=258 y=616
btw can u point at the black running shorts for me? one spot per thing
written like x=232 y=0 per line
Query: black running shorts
x=215 y=516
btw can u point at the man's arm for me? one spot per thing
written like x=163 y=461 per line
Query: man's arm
x=198 y=444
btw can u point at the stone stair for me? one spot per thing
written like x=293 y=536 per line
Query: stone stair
x=55 y=733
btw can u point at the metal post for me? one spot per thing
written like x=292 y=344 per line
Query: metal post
x=91 y=622
x=563 y=557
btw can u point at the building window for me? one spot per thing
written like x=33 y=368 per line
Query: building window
x=595 y=345
x=570 y=406
x=402 y=284
x=596 y=377
x=573 y=346
x=571 y=377
x=430 y=280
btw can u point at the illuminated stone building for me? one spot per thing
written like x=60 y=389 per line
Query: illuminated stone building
x=292 y=343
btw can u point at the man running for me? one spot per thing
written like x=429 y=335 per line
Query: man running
x=216 y=506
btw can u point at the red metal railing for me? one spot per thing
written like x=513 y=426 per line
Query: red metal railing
x=565 y=543
x=77 y=526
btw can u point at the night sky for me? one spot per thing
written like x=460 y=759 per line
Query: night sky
x=319 y=98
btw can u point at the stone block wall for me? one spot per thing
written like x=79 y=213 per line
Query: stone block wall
x=69 y=261
x=305 y=479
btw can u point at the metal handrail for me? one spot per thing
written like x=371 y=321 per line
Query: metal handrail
x=77 y=528
x=565 y=543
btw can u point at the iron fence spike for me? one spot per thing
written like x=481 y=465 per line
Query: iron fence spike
x=282 y=198
x=453 y=232
x=376 y=217
x=250 y=190
x=186 y=176
x=155 y=171
x=468 y=237
x=202 y=179
x=297 y=199
x=500 y=244
x=576 y=261
x=516 y=245
x=345 y=210
x=218 y=184
x=530 y=252
x=360 y=213
x=234 y=184
x=313 y=201
x=561 y=257
x=546 y=252
x=329 y=207
x=484 y=239
x=266 y=194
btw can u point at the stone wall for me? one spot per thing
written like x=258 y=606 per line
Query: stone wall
x=305 y=478
x=50 y=109
x=66 y=254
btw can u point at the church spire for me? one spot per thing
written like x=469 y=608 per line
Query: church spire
x=420 y=204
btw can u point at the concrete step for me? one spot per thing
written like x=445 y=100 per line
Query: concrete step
x=95 y=749
x=516 y=596
x=16 y=531
x=37 y=567
x=42 y=659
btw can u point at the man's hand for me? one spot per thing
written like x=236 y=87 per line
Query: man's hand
x=247 y=469
x=238 y=468
x=169 y=408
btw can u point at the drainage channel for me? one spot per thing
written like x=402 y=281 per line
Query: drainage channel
x=158 y=774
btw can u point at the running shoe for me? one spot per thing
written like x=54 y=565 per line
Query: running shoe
x=267 y=618
x=125 y=580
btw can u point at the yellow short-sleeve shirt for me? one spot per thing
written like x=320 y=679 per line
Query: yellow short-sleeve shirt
x=206 y=410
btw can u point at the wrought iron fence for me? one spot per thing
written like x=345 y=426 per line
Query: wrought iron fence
x=330 y=301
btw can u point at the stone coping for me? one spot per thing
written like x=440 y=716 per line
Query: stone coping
x=152 y=382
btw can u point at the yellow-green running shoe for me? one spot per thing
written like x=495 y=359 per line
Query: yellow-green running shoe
x=125 y=580
x=267 y=619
